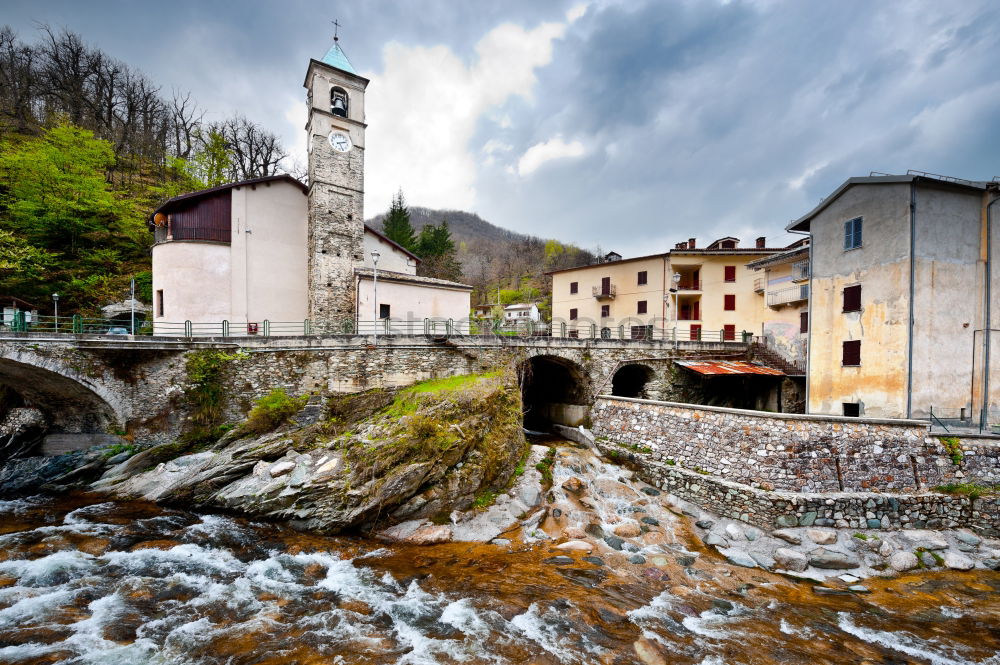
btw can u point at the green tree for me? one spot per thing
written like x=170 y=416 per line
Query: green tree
x=436 y=250
x=212 y=161
x=397 y=225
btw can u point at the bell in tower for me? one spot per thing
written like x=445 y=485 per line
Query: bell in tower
x=338 y=102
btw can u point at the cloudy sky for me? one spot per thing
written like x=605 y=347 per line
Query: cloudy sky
x=627 y=125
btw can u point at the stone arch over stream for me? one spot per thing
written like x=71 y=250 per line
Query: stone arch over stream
x=554 y=389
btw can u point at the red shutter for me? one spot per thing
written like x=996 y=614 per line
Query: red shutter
x=804 y=322
x=852 y=298
x=730 y=302
x=852 y=353
x=642 y=307
x=730 y=273
x=696 y=310
x=695 y=332
x=729 y=332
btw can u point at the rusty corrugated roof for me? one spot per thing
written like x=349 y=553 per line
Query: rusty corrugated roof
x=720 y=367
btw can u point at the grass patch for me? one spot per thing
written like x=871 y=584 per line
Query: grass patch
x=671 y=462
x=545 y=467
x=861 y=536
x=272 y=410
x=971 y=490
x=117 y=449
x=953 y=447
x=639 y=449
x=485 y=499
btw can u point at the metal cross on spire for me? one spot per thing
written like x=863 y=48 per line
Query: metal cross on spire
x=336 y=30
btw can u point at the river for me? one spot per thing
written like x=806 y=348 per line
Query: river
x=84 y=580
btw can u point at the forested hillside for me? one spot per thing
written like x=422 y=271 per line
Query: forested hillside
x=493 y=258
x=88 y=146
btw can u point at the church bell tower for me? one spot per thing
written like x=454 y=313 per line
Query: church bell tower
x=336 y=144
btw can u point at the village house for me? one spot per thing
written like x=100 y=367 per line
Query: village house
x=903 y=316
x=711 y=287
x=291 y=257
x=784 y=286
x=520 y=312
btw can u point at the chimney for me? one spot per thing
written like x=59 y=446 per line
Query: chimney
x=761 y=242
x=691 y=243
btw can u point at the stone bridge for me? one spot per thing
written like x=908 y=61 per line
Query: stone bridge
x=89 y=383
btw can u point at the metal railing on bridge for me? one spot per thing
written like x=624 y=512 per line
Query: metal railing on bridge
x=77 y=325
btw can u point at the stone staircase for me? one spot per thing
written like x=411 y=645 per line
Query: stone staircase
x=772 y=358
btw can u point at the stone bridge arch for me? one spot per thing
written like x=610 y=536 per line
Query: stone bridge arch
x=554 y=389
x=70 y=400
x=634 y=379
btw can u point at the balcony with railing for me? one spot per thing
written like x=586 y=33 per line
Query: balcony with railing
x=605 y=292
x=788 y=296
x=689 y=285
x=800 y=271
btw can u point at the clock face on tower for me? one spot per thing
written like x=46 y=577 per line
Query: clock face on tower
x=340 y=141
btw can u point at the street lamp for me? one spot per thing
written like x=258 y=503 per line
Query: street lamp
x=375 y=258
x=55 y=303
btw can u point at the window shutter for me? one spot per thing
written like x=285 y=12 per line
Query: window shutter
x=574 y=287
x=572 y=314
x=695 y=332
x=605 y=310
x=642 y=278
x=729 y=332
x=852 y=353
x=852 y=298
x=804 y=322
x=641 y=309
x=730 y=302
x=730 y=273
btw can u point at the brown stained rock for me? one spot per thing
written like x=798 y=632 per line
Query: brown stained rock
x=573 y=485
x=627 y=530
x=430 y=534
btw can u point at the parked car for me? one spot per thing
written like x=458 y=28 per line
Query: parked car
x=117 y=331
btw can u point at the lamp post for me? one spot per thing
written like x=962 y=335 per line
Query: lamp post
x=676 y=279
x=132 y=329
x=375 y=258
x=55 y=303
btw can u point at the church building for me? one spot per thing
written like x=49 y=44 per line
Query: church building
x=298 y=257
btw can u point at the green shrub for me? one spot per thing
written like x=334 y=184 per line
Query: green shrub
x=272 y=410
x=971 y=490
x=954 y=448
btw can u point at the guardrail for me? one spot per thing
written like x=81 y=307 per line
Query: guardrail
x=76 y=325
x=788 y=296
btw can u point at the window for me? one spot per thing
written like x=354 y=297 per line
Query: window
x=572 y=315
x=852 y=354
x=852 y=233
x=383 y=311
x=852 y=409
x=159 y=302
x=729 y=332
x=605 y=285
x=804 y=322
x=852 y=298
x=642 y=278
x=729 y=302
x=574 y=287
x=695 y=332
x=730 y=273
x=574 y=333
x=605 y=310
x=641 y=308
x=642 y=332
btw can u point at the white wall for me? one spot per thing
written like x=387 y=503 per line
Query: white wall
x=412 y=302
x=195 y=279
x=269 y=263
x=391 y=258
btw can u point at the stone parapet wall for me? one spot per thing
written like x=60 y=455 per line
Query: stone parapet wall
x=802 y=453
x=849 y=510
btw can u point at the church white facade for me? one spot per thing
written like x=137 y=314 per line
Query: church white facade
x=300 y=258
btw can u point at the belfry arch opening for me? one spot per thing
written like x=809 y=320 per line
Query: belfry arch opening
x=632 y=381
x=554 y=391
x=338 y=102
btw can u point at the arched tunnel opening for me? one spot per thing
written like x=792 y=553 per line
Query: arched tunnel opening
x=58 y=407
x=554 y=391
x=631 y=381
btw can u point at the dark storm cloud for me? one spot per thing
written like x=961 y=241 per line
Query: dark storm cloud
x=672 y=119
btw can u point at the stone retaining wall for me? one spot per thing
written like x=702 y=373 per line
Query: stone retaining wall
x=20 y=418
x=778 y=509
x=803 y=453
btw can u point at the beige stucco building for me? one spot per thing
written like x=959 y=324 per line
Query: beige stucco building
x=714 y=296
x=782 y=282
x=274 y=256
x=904 y=299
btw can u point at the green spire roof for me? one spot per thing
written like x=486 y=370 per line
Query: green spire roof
x=335 y=57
